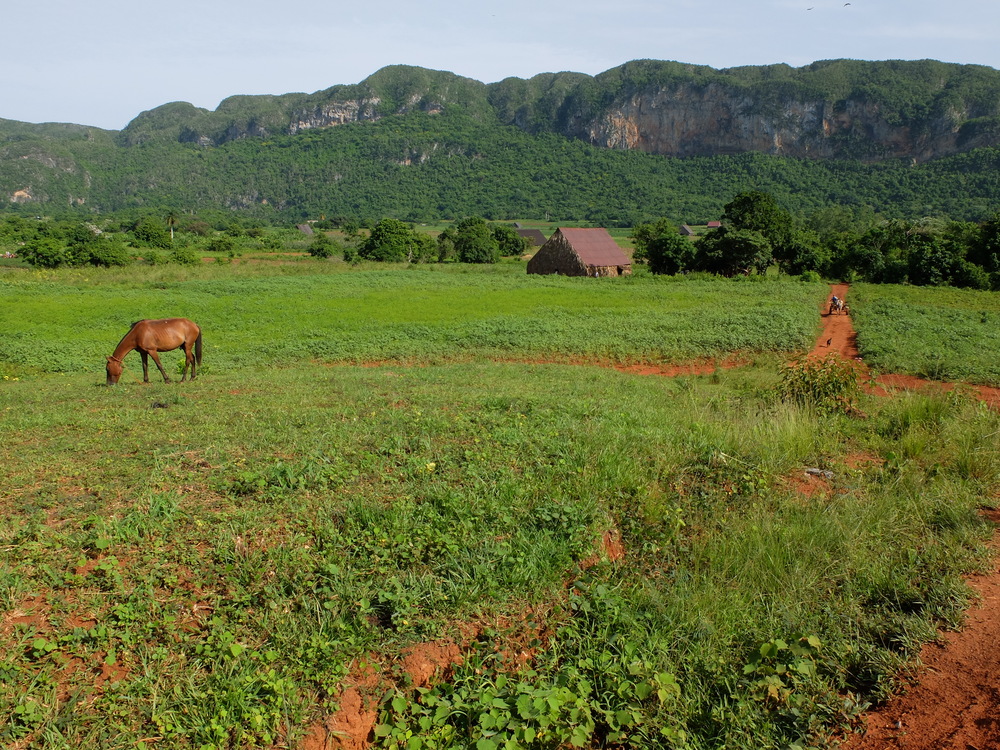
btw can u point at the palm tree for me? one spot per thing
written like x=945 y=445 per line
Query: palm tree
x=171 y=222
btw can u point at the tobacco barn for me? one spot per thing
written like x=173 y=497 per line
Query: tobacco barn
x=581 y=252
x=534 y=237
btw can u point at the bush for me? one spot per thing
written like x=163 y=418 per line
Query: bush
x=829 y=384
x=810 y=277
x=323 y=246
x=186 y=256
x=109 y=252
x=45 y=252
x=151 y=233
x=221 y=243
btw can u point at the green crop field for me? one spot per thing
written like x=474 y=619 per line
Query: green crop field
x=375 y=464
x=936 y=333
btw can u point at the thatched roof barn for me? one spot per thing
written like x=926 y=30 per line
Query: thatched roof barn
x=581 y=252
x=534 y=236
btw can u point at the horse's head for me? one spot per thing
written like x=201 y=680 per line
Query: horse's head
x=114 y=370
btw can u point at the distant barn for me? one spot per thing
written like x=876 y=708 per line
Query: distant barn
x=686 y=230
x=534 y=236
x=581 y=252
x=714 y=224
x=304 y=228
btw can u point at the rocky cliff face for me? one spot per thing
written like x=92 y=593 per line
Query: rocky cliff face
x=690 y=120
x=834 y=109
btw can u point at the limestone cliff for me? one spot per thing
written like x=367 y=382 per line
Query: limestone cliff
x=919 y=110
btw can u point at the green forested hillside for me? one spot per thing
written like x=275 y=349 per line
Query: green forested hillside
x=427 y=145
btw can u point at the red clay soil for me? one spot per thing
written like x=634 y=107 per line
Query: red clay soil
x=952 y=701
x=838 y=337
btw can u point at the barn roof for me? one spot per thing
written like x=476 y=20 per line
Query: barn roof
x=595 y=247
x=534 y=235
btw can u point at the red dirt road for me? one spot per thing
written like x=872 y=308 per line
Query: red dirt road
x=952 y=701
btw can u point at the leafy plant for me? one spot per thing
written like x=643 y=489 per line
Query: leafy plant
x=829 y=384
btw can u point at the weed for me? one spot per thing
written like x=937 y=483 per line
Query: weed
x=828 y=385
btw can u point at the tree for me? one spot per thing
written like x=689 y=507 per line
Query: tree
x=804 y=253
x=756 y=211
x=171 y=223
x=390 y=241
x=670 y=254
x=474 y=242
x=645 y=234
x=149 y=232
x=731 y=252
x=509 y=241
x=446 y=244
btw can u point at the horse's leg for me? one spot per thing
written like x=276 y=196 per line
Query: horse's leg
x=192 y=360
x=145 y=365
x=156 y=358
x=187 y=362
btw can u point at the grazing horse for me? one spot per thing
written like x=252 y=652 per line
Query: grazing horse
x=153 y=336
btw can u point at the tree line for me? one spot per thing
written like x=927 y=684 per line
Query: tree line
x=756 y=233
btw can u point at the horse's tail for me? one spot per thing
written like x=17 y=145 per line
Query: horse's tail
x=197 y=348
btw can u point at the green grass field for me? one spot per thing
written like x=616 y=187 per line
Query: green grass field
x=68 y=322
x=212 y=564
x=936 y=333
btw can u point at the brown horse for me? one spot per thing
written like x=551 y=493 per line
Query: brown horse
x=153 y=336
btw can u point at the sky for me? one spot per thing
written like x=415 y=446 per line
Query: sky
x=103 y=62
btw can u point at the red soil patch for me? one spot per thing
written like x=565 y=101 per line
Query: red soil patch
x=952 y=701
x=352 y=726
x=985 y=393
x=700 y=367
x=807 y=485
x=424 y=660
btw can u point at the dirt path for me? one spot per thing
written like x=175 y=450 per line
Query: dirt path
x=952 y=701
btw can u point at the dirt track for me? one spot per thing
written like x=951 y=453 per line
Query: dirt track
x=952 y=702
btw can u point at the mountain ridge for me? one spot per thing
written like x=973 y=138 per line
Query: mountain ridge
x=829 y=109
x=373 y=147
x=867 y=110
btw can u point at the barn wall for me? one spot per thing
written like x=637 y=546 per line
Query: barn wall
x=609 y=270
x=556 y=256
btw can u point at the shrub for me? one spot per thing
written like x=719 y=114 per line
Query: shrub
x=109 y=252
x=186 y=256
x=221 y=243
x=151 y=233
x=323 y=246
x=45 y=252
x=829 y=384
